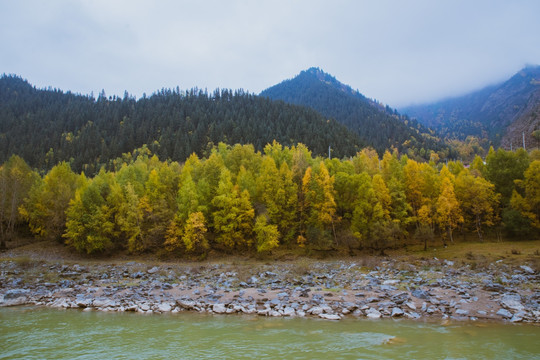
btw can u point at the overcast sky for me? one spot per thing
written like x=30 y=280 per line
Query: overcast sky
x=397 y=52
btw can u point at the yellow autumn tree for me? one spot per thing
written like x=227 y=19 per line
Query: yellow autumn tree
x=233 y=217
x=267 y=234
x=319 y=206
x=448 y=215
x=478 y=200
x=45 y=206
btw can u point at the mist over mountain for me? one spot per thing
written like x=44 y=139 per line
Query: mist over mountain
x=500 y=114
x=377 y=125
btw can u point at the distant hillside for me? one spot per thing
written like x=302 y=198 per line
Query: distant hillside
x=378 y=126
x=47 y=126
x=499 y=113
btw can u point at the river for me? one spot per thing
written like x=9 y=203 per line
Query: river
x=44 y=333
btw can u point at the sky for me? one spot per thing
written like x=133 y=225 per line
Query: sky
x=397 y=52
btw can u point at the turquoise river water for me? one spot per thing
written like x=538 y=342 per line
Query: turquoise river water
x=41 y=333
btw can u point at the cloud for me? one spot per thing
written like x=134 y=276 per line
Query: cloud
x=397 y=52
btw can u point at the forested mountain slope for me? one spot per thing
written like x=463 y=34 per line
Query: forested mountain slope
x=48 y=126
x=500 y=113
x=378 y=126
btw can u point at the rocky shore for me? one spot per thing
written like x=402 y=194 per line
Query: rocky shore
x=428 y=289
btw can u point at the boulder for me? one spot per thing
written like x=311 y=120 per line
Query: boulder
x=513 y=302
x=330 y=316
x=504 y=313
x=289 y=311
x=420 y=294
x=164 y=307
x=396 y=312
x=219 y=308
x=16 y=293
x=373 y=313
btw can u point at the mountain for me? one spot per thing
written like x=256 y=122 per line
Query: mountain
x=500 y=114
x=48 y=126
x=378 y=126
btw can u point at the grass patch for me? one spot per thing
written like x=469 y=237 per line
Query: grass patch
x=511 y=251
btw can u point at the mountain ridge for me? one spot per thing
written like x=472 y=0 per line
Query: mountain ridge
x=500 y=114
x=92 y=132
x=377 y=125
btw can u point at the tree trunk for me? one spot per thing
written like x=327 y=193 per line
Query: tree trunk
x=478 y=229
x=449 y=230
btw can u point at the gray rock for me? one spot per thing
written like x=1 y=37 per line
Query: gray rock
x=462 y=312
x=103 y=303
x=153 y=270
x=491 y=286
x=513 y=302
x=16 y=293
x=330 y=316
x=316 y=310
x=400 y=298
x=288 y=311
x=219 y=308
x=504 y=313
x=373 y=313
x=164 y=307
x=518 y=317
x=412 y=315
x=527 y=269
x=186 y=304
x=144 y=307
x=420 y=294
x=410 y=305
x=396 y=312
x=21 y=300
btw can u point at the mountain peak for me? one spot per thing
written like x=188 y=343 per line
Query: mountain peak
x=377 y=126
x=319 y=74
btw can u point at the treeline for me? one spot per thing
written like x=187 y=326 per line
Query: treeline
x=45 y=127
x=379 y=127
x=240 y=200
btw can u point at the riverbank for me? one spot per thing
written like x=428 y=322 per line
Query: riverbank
x=372 y=287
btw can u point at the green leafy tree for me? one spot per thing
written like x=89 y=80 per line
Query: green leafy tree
x=279 y=195
x=503 y=168
x=16 y=180
x=233 y=217
x=478 y=201
x=529 y=203
x=47 y=202
x=267 y=234
x=90 y=217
